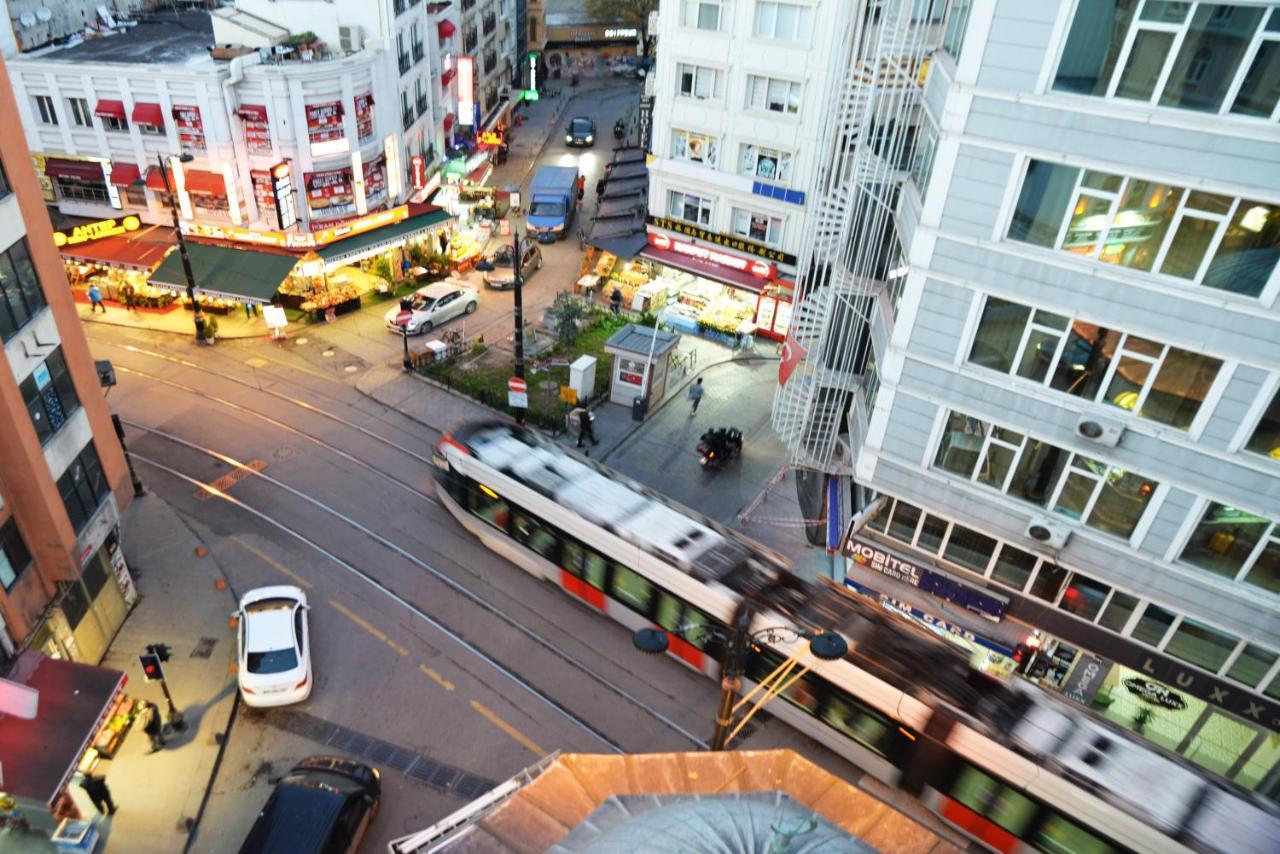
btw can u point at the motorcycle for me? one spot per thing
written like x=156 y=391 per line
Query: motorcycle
x=619 y=129
x=718 y=446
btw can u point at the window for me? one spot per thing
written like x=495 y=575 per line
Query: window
x=704 y=14
x=1212 y=240
x=1084 y=597
x=784 y=21
x=1048 y=582
x=768 y=163
x=1101 y=496
x=44 y=107
x=113 y=123
x=631 y=589
x=83 y=486
x=1152 y=380
x=698 y=81
x=158 y=130
x=1057 y=834
x=80 y=115
x=534 y=535
x=957 y=23
x=14 y=556
x=1200 y=645
x=970 y=549
x=1236 y=544
x=926 y=150
x=1153 y=625
x=696 y=147
x=759 y=227
x=1266 y=436
x=20 y=293
x=773 y=95
x=990 y=798
x=586 y=564
x=1013 y=567
x=1118 y=611
x=1111 y=52
x=49 y=395
x=931 y=534
x=905 y=520
x=486 y=504
x=689 y=207
x=1252 y=665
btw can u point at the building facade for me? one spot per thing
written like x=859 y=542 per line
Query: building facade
x=1060 y=376
x=64 y=585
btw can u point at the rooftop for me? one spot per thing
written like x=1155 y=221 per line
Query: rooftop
x=168 y=38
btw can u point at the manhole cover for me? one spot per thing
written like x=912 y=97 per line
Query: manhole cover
x=300 y=341
x=327 y=353
x=285 y=453
x=351 y=369
x=204 y=648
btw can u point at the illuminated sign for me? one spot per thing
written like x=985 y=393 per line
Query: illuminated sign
x=395 y=172
x=466 y=83
x=728 y=241
x=418 y=168
x=621 y=33
x=96 y=231
x=282 y=190
x=357 y=183
x=759 y=269
x=489 y=137
x=298 y=241
x=233 y=199
x=533 y=70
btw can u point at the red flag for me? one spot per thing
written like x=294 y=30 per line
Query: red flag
x=792 y=354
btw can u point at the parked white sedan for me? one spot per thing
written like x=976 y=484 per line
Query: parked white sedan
x=431 y=306
x=274 y=646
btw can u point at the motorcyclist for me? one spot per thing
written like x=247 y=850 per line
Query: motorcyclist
x=619 y=128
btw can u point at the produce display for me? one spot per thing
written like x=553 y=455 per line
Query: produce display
x=463 y=247
x=725 y=314
x=320 y=299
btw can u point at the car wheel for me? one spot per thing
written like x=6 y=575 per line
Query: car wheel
x=425 y=327
x=471 y=307
x=538 y=266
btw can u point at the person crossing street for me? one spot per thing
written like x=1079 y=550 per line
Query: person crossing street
x=695 y=394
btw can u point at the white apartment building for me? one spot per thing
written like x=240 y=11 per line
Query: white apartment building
x=1059 y=377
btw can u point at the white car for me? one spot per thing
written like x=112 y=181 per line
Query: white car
x=274 y=646
x=431 y=306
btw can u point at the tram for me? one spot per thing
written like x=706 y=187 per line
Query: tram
x=1011 y=766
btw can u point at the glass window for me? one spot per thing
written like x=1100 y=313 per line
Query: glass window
x=703 y=14
x=1122 y=498
x=880 y=521
x=1178 y=387
x=905 y=520
x=926 y=151
x=696 y=628
x=1039 y=468
x=785 y=21
x=970 y=549
x=667 y=614
x=536 y=536
x=1266 y=436
x=758 y=227
x=1097 y=35
x=962 y=441
x=1186 y=252
x=1118 y=611
x=768 y=163
x=631 y=588
x=1146 y=61
x=931 y=534
x=1225 y=540
x=1049 y=580
x=486 y=504
x=773 y=95
x=14 y=556
x=1249 y=249
x=988 y=797
x=1251 y=665
x=50 y=397
x=688 y=207
x=694 y=147
x=1057 y=835
x=1153 y=625
x=83 y=486
x=1212 y=50
x=697 y=81
x=1084 y=597
x=1043 y=203
x=999 y=334
x=1200 y=645
x=957 y=23
x=1013 y=567
x=44 y=106
x=849 y=717
x=20 y=293
x=1261 y=87
x=80 y=114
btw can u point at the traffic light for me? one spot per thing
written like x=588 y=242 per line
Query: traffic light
x=151 y=666
x=160 y=650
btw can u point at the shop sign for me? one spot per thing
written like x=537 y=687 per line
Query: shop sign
x=96 y=231
x=395 y=169
x=1155 y=693
x=621 y=33
x=926 y=618
x=489 y=137
x=121 y=570
x=364 y=115
x=325 y=236
x=759 y=269
x=190 y=128
x=418 y=168
x=324 y=122
x=466 y=85
x=533 y=74
x=989 y=605
x=374 y=172
x=257 y=131
x=1086 y=679
x=46 y=183
x=282 y=192
x=729 y=241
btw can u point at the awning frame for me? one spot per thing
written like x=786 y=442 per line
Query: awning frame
x=111 y=108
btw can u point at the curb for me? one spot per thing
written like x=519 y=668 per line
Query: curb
x=190 y=334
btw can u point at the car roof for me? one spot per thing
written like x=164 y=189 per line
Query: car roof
x=297 y=817
x=275 y=591
x=435 y=290
x=268 y=630
x=587 y=119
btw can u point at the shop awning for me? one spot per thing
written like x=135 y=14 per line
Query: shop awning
x=81 y=170
x=252 y=112
x=155 y=180
x=447 y=77
x=204 y=183
x=231 y=273
x=446 y=29
x=706 y=269
x=148 y=114
x=370 y=242
x=126 y=252
x=114 y=109
x=39 y=755
x=124 y=174
x=448 y=121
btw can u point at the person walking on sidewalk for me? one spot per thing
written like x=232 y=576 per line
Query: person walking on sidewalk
x=127 y=297
x=96 y=788
x=695 y=394
x=95 y=300
x=153 y=728
x=615 y=300
x=586 y=426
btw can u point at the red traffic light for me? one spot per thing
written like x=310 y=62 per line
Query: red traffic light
x=151 y=666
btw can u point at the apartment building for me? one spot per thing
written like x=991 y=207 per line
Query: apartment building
x=1059 y=379
x=64 y=585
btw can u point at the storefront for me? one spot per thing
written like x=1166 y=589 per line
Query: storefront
x=110 y=255
x=80 y=180
x=477 y=208
x=206 y=191
x=585 y=45
x=228 y=277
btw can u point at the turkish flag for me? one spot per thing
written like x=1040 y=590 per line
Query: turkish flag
x=792 y=354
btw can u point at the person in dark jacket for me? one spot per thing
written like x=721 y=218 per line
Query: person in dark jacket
x=586 y=426
x=153 y=727
x=615 y=300
x=96 y=788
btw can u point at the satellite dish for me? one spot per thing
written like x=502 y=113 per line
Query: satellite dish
x=43 y=13
x=28 y=19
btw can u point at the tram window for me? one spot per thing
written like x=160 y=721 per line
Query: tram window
x=992 y=799
x=631 y=588
x=696 y=626
x=802 y=692
x=1059 y=836
x=490 y=508
x=536 y=536
x=584 y=563
x=572 y=557
x=867 y=729
x=594 y=570
x=668 y=612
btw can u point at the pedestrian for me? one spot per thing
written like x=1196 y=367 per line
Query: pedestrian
x=95 y=300
x=586 y=426
x=582 y=239
x=615 y=300
x=599 y=190
x=96 y=788
x=153 y=727
x=695 y=394
x=126 y=296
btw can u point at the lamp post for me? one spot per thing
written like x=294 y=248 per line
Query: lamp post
x=827 y=646
x=182 y=243
x=484 y=265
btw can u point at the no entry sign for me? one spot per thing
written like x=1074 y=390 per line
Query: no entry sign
x=517 y=393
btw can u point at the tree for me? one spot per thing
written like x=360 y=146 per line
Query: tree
x=634 y=13
x=567 y=311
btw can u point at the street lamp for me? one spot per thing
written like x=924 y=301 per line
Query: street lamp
x=827 y=646
x=182 y=243
x=484 y=265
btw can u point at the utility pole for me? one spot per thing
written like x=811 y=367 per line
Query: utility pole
x=138 y=491
x=731 y=670
x=182 y=244
x=519 y=314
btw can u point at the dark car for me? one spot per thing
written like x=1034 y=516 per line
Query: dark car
x=502 y=276
x=324 y=805
x=582 y=131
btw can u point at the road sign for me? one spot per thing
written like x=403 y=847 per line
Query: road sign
x=517 y=393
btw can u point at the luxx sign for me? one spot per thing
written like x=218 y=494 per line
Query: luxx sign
x=760 y=269
x=728 y=241
x=96 y=231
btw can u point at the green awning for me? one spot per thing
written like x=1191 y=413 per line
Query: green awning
x=223 y=271
x=370 y=242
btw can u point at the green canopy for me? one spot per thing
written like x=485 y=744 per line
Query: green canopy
x=224 y=271
x=362 y=245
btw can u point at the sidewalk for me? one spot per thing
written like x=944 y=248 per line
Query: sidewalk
x=174 y=319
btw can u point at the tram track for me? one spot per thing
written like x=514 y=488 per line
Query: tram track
x=389 y=592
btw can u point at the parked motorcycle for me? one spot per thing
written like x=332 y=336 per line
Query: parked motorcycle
x=619 y=129
x=718 y=446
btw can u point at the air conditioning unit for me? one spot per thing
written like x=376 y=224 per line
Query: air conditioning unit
x=350 y=39
x=1050 y=532
x=1099 y=430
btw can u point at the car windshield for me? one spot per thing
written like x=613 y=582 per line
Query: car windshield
x=580 y=126
x=272 y=661
x=546 y=208
x=503 y=256
x=423 y=303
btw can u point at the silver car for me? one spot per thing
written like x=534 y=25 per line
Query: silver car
x=502 y=276
x=431 y=306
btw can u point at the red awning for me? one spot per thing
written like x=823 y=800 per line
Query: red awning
x=148 y=114
x=447 y=77
x=114 y=109
x=706 y=269
x=120 y=251
x=124 y=174
x=252 y=112
x=81 y=170
x=204 y=183
x=448 y=121
x=155 y=181
x=446 y=29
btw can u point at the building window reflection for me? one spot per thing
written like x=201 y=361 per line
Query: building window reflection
x=1235 y=543
x=1265 y=438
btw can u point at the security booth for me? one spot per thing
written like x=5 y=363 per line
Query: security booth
x=631 y=347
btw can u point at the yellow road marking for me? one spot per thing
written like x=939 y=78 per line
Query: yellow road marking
x=440 y=680
x=230 y=479
x=359 y=620
x=256 y=362
x=507 y=728
x=397 y=647
x=270 y=561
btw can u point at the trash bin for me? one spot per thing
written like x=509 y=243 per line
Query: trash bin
x=637 y=409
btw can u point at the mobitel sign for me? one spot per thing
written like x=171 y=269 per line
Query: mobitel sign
x=96 y=231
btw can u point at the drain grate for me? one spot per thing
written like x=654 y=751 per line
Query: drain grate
x=204 y=648
x=424 y=769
